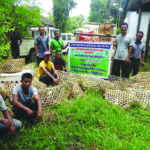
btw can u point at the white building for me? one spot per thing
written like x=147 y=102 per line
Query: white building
x=137 y=15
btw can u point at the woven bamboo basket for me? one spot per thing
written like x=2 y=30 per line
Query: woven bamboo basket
x=74 y=88
x=142 y=96
x=8 y=86
x=12 y=65
x=91 y=82
x=142 y=77
x=3 y=91
x=141 y=85
x=77 y=91
x=52 y=95
x=67 y=77
x=120 y=98
x=39 y=85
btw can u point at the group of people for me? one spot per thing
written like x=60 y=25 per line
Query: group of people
x=26 y=101
x=47 y=69
x=126 y=60
x=128 y=53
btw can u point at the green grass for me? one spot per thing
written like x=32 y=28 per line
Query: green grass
x=146 y=67
x=85 y=123
x=66 y=59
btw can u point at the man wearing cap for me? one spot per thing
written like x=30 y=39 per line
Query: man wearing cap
x=47 y=73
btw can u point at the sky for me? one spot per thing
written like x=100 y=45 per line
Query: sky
x=82 y=7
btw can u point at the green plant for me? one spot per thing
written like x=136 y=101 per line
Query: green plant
x=85 y=123
x=61 y=10
x=14 y=15
x=118 y=31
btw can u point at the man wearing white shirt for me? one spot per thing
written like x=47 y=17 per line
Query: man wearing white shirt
x=122 y=56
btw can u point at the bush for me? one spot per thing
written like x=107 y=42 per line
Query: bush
x=118 y=31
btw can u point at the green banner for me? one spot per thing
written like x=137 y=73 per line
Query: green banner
x=90 y=58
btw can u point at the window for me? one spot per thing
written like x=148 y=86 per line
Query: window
x=69 y=37
x=63 y=37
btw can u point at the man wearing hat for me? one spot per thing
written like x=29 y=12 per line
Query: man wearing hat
x=47 y=73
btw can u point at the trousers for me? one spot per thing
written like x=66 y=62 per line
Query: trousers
x=46 y=79
x=20 y=113
x=134 y=65
x=4 y=130
x=120 y=65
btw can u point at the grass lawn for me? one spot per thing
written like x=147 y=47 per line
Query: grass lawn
x=85 y=123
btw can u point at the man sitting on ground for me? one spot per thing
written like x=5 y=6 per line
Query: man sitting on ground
x=59 y=62
x=7 y=124
x=47 y=73
x=26 y=101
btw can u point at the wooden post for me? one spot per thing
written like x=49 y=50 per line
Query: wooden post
x=139 y=19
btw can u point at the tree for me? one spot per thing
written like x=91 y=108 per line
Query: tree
x=106 y=11
x=14 y=15
x=98 y=11
x=61 y=10
x=50 y=17
x=116 y=11
x=74 y=23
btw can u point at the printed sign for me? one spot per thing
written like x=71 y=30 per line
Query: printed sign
x=90 y=58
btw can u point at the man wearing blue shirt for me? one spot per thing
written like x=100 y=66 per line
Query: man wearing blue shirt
x=41 y=43
x=138 y=49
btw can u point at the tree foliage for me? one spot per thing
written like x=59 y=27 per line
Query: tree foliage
x=106 y=10
x=50 y=17
x=98 y=10
x=14 y=15
x=74 y=23
x=61 y=10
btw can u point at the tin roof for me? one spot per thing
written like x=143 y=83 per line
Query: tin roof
x=134 y=5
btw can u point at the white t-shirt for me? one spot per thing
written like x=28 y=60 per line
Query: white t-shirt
x=2 y=104
x=123 y=44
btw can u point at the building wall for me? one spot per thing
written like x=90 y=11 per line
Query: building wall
x=132 y=20
x=145 y=19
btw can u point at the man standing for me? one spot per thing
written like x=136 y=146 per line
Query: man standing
x=138 y=49
x=123 y=51
x=57 y=44
x=41 y=43
x=14 y=38
x=23 y=104
x=7 y=124
x=59 y=62
x=47 y=73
